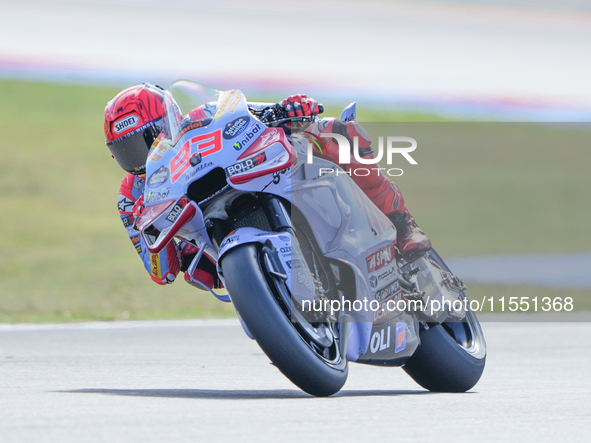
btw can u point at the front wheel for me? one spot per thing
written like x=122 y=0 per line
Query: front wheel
x=318 y=370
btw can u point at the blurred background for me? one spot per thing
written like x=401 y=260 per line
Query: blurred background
x=64 y=254
x=462 y=58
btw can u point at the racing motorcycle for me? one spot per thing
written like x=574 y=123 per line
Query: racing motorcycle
x=310 y=264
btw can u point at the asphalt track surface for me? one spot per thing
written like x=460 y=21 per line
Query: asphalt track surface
x=206 y=381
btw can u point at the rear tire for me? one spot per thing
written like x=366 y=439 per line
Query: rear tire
x=442 y=365
x=286 y=345
x=451 y=356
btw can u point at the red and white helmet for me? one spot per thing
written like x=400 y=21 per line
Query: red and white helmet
x=133 y=119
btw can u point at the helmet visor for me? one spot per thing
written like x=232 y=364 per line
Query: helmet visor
x=131 y=150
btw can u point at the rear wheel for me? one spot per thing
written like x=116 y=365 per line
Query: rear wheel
x=451 y=356
x=306 y=353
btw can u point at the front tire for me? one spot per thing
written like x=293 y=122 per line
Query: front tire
x=286 y=345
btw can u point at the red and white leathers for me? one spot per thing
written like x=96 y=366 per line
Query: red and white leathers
x=164 y=266
x=176 y=256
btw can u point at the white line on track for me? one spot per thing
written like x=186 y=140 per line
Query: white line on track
x=117 y=325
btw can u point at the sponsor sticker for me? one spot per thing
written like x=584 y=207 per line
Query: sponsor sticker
x=225 y=102
x=249 y=136
x=125 y=123
x=189 y=175
x=138 y=183
x=174 y=213
x=156 y=196
x=229 y=240
x=246 y=165
x=159 y=177
x=388 y=308
x=128 y=221
x=400 y=337
x=381 y=258
x=387 y=292
x=154 y=156
x=124 y=204
x=380 y=340
x=236 y=127
x=375 y=280
x=155 y=268
x=270 y=136
x=294 y=264
x=159 y=148
x=194 y=125
x=237 y=99
x=176 y=210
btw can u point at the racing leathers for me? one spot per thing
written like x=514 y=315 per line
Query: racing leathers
x=175 y=257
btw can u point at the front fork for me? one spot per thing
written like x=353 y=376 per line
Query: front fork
x=305 y=284
x=280 y=221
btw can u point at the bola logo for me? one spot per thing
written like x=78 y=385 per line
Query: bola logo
x=236 y=127
x=174 y=213
x=245 y=165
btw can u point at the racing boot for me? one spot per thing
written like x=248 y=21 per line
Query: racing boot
x=412 y=241
x=200 y=279
x=386 y=195
x=204 y=276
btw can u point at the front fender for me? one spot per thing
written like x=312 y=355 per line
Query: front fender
x=281 y=241
x=287 y=253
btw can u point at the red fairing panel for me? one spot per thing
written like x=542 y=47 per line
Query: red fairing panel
x=264 y=150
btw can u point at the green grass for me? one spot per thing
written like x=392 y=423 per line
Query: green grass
x=487 y=188
x=64 y=255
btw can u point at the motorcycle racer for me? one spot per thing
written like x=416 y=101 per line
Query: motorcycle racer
x=134 y=119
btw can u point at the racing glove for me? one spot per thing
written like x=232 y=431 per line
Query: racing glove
x=165 y=265
x=300 y=105
x=138 y=206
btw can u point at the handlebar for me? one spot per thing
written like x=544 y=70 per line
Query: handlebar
x=275 y=113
